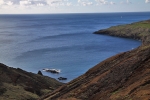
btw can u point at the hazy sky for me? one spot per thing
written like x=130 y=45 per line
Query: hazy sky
x=72 y=6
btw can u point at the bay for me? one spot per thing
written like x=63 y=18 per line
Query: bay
x=62 y=41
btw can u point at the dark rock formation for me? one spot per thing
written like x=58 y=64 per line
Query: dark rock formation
x=125 y=76
x=40 y=73
x=18 y=84
x=62 y=78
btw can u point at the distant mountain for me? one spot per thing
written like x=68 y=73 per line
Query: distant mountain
x=17 y=84
x=125 y=76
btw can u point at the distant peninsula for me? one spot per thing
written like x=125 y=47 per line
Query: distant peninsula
x=125 y=76
x=138 y=30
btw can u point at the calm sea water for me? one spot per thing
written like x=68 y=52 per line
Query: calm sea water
x=62 y=41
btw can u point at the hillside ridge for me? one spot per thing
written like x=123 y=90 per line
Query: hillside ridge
x=17 y=84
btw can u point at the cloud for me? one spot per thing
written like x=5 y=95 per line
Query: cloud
x=112 y=3
x=129 y=2
x=53 y=2
x=25 y=2
x=85 y=2
x=101 y=1
x=69 y=4
x=147 y=1
x=35 y=3
x=104 y=2
x=126 y=2
x=57 y=3
x=40 y=4
x=9 y=3
x=1 y=2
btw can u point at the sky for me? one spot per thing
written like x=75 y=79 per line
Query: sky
x=72 y=6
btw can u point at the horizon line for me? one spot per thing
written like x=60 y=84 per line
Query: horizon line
x=72 y=13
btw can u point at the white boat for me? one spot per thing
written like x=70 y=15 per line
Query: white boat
x=51 y=70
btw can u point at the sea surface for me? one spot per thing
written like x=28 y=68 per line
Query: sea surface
x=62 y=41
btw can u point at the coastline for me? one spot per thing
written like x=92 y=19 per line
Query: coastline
x=110 y=79
x=124 y=76
x=41 y=49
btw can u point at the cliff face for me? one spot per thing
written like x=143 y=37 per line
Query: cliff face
x=125 y=76
x=17 y=84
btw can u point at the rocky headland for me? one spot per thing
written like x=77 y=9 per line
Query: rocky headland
x=125 y=76
x=17 y=84
x=138 y=31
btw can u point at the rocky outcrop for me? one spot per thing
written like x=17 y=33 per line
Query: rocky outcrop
x=125 y=76
x=17 y=84
x=40 y=73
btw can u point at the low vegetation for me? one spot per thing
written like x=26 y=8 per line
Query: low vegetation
x=138 y=30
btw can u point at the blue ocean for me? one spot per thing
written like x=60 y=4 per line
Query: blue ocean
x=62 y=41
